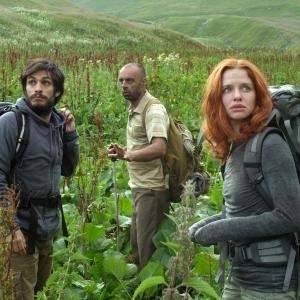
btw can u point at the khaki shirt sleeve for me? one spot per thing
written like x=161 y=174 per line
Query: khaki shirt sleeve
x=157 y=122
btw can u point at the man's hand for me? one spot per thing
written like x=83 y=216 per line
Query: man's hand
x=116 y=152
x=70 y=120
x=17 y=241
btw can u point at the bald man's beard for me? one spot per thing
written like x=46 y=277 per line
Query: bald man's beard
x=133 y=96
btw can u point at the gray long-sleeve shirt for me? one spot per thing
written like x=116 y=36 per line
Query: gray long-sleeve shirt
x=248 y=216
x=47 y=156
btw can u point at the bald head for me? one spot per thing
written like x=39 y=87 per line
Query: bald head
x=137 y=66
x=132 y=78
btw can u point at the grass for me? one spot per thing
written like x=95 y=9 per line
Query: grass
x=34 y=25
x=55 y=5
x=269 y=23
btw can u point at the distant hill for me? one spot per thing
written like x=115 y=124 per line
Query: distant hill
x=227 y=24
x=59 y=25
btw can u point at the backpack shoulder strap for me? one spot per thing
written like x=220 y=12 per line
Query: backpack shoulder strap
x=147 y=106
x=253 y=162
x=23 y=134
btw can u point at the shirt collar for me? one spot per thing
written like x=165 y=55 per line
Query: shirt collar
x=140 y=107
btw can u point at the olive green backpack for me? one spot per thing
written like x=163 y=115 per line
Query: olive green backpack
x=183 y=159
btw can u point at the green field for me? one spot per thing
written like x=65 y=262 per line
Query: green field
x=60 y=26
x=234 y=24
x=90 y=48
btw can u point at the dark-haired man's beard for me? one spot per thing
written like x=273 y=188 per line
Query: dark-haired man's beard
x=41 y=109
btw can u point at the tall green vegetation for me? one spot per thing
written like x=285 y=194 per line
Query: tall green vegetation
x=92 y=267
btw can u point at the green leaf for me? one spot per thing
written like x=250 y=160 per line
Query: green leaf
x=125 y=206
x=164 y=234
x=60 y=252
x=172 y=218
x=79 y=257
x=161 y=236
x=152 y=268
x=59 y=244
x=162 y=255
x=147 y=283
x=124 y=221
x=173 y=246
x=89 y=285
x=83 y=283
x=93 y=232
x=201 y=286
x=132 y=270
x=205 y=264
x=167 y=225
x=72 y=294
x=116 y=266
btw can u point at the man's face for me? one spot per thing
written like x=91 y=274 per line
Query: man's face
x=40 y=92
x=133 y=83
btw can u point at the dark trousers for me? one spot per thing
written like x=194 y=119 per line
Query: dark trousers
x=148 y=210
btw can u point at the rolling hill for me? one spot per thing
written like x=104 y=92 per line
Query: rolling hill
x=59 y=25
x=234 y=24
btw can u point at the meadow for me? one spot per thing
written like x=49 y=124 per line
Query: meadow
x=98 y=262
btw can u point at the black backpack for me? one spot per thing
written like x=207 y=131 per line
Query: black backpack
x=285 y=121
x=23 y=129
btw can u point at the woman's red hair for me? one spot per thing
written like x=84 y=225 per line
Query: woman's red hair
x=217 y=128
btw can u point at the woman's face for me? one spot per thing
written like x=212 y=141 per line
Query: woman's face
x=238 y=96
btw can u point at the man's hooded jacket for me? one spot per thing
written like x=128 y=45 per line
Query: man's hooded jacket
x=50 y=153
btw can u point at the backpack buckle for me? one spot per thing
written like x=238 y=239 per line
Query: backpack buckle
x=259 y=177
x=244 y=253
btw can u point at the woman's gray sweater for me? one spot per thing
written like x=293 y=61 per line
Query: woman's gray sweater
x=248 y=216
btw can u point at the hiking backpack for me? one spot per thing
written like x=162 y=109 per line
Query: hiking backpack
x=23 y=129
x=182 y=161
x=285 y=121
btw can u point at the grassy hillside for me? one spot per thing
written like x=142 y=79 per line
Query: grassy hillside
x=234 y=24
x=61 y=26
x=54 y=5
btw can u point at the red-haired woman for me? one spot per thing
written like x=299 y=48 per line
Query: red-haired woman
x=236 y=106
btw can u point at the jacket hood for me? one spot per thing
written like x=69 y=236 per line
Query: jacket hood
x=57 y=119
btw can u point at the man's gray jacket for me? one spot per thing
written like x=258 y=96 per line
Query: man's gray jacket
x=50 y=153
